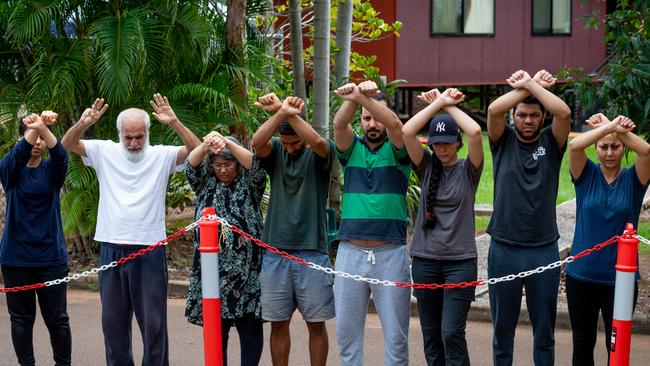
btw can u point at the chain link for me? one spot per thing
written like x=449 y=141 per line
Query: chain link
x=374 y=281
x=105 y=267
x=431 y=286
x=642 y=239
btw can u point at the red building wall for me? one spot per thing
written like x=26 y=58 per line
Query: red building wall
x=385 y=48
x=423 y=60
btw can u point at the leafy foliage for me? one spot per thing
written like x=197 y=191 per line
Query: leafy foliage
x=62 y=54
x=622 y=86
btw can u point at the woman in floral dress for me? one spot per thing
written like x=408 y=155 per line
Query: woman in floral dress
x=230 y=180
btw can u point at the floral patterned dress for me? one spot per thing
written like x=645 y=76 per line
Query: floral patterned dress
x=240 y=261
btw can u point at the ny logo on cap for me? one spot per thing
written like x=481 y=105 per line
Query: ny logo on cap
x=440 y=127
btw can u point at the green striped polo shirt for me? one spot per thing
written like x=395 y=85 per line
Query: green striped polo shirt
x=374 y=192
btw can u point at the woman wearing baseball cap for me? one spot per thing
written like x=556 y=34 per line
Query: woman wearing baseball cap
x=443 y=246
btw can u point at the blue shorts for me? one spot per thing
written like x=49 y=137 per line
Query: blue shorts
x=287 y=286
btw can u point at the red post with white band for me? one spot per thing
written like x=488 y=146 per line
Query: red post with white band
x=626 y=266
x=209 y=248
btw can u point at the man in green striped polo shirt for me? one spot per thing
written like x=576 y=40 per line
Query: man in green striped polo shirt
x=373 y=224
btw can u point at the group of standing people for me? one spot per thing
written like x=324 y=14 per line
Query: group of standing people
x=257 y=286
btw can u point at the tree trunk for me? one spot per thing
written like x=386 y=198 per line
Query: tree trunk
x=343 y=39
x=236 y=42
x=295 y=30
x=321 y=77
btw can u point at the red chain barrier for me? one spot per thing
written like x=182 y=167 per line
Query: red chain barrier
x=430 y=286
x=120 y=261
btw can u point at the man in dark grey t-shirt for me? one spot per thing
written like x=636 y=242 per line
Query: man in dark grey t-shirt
x=526 y=163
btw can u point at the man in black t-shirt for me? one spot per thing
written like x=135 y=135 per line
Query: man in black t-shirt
x=526 y=163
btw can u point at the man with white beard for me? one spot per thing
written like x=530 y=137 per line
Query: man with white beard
x=133 y=180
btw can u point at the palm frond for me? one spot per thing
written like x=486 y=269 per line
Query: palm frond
x=120 y=46
x=31 y=20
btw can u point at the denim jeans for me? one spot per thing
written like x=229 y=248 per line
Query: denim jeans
x=351 y=298
x=443 y=313
x=137 y=287
x=53 y=305
x=541 y=299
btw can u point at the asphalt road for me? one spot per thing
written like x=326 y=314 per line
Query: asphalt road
x=186 y=344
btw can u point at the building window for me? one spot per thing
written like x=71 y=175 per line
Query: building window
x=462 y=17
x=551 y=17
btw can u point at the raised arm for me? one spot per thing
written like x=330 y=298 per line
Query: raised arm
x=164 y=113
x=292 y=107
x=343 y=133
x=242 y=154
x=538 y=87
x=417 y=122
x=496 y=121
x=261 y=140
x=36 y=127
x=601 y=127
x=381 y=112
x=639 y=146
x=467 y=124
x=72 y=139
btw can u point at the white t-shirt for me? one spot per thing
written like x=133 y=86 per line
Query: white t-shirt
x=131 y=194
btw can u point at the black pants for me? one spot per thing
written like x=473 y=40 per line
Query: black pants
x=251 y=338
x=138 y=287
x=53 y=305
x=443 y=313
x=586 y=300
x=541 y=299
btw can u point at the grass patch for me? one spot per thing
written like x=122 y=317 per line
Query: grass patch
x=644 y=231
x=481 y=223
x=566 y=190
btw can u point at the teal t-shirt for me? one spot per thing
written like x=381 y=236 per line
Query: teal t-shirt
x=296 y=217
x=374 y=192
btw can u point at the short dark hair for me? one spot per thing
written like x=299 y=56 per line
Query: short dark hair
x=21 y=126
x=286 y=129
x=382 y=97
x=531 y=100
x=22 y=130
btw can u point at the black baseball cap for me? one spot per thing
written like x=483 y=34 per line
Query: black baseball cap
x=443 y=129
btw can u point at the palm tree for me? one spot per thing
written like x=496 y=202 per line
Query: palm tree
x=61 y=54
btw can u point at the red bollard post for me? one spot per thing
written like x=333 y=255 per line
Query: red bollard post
x=626 y=266
x=209 y=248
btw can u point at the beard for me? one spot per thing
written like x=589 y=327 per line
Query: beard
x=381 y=137
x=531 y=136
x=135 y=156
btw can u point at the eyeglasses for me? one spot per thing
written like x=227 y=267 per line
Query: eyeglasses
x=218 y=166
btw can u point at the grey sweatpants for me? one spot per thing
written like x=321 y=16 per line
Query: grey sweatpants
x=351 y=299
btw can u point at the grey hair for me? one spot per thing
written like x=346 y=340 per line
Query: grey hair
x=130 y=112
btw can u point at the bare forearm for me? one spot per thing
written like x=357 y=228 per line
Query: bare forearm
x=188 y=137
x=552 y=102
x=580 y=143
x=506 y=102
x=465 y=122
x=196 y=156
x=71 y=140
x=635 y=143
x=243 y=155
x=266 y=130
x=380 y=112
x=344 y=115
x=417 y=122
x=48 y=137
